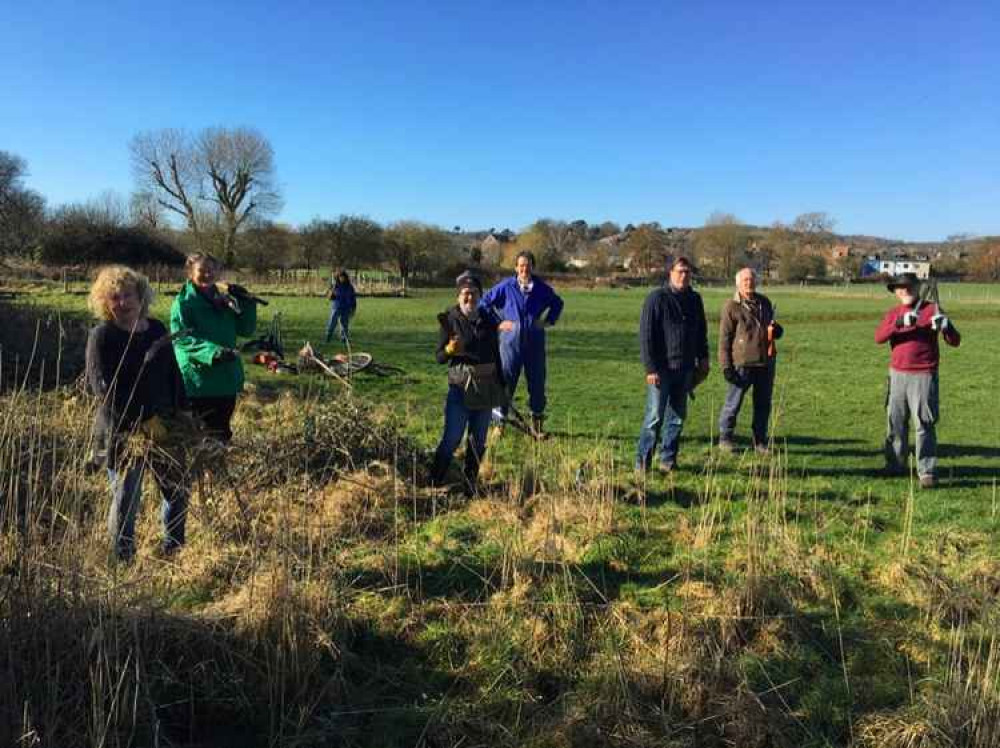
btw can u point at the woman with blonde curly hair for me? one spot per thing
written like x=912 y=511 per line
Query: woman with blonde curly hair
x=131 y=368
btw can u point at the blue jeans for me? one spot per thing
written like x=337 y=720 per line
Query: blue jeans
x=761 y=379
x=338 y=315
x=126 y=495
x=519 y=351
x=458 y=418
x=666 y=409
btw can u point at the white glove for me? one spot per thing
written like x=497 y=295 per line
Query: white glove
x=908 y=319
x=939 y=321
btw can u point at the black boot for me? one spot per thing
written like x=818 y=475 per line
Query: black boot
x=439 y=470
x=470 y=471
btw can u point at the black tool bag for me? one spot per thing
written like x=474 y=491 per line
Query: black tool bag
x=481 y=385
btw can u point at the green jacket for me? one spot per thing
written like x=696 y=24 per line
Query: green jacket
x=211 y=330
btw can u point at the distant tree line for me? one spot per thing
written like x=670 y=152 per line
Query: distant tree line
x=217 y=191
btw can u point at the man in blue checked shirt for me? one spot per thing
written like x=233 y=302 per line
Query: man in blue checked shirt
x=531 y=305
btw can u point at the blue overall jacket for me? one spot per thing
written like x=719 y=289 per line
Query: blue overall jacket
x=523 y=309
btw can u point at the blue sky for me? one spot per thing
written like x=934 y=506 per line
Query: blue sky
x=884 y=114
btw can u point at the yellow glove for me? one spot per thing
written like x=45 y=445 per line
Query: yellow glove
x=453 y=347
x=155 y=430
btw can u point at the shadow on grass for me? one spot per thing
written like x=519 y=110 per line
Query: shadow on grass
x=967 y=450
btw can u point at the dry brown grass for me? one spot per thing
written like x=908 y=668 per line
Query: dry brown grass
x=304 y=608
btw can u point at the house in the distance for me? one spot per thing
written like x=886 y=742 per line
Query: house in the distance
x=492 y=246
x=896 y=265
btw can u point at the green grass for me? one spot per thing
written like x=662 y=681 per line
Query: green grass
x=828 y=420
x=831 y=595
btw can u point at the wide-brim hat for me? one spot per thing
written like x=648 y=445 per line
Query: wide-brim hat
x=905 y=280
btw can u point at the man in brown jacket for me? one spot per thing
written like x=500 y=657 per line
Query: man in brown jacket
x=747 y=331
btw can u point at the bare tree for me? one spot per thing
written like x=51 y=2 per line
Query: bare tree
x=145 y=210
x=266 y=245
x=551 y=241
x=239 y=164
x=646 y=248
x=723 y=242
x=165 y=164
x=814 y=223
x=413 y=246
x=349 y=241
x=108 y=208
x=221 y=176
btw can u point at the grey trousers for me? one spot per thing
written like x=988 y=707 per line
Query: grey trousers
x=913 y=394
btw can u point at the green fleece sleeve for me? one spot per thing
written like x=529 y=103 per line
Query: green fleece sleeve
x=189 y=348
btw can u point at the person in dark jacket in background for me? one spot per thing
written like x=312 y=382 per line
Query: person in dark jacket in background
x=206 y=317
x=467 y=338
x=131 y=368
x=747 y=355
x=911 y=329
x=673 y=344
x=344 y=303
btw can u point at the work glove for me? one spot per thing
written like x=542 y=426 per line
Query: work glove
x=225 y=354
x=908 y=319
x=155 y=429
x=940 y=322
x=454 y=346
x=730 y=375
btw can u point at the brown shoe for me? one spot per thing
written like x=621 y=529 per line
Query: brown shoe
x=928 y=481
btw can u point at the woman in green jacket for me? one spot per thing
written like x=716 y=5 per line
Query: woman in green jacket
x=210 y=315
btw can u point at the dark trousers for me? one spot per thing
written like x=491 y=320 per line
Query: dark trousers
x=524 y=352
x=761 y=380
x=215 y=413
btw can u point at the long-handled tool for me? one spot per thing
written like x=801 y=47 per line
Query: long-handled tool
x=272 y=340
x=929 y=295
x=308 y=357
x=772 y=346
x=516 y=419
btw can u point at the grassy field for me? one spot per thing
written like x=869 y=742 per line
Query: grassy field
x=795 y=600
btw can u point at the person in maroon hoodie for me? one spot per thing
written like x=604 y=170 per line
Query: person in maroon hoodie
x=912 y=329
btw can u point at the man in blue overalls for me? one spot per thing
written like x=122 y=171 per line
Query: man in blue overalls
x=532 y=305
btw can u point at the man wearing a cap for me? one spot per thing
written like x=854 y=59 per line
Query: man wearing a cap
x=532 y=306
x=911 y=328
x=673 y=345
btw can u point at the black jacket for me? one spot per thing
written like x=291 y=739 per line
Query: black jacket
x=135 y=376
x=672 y=330
x=480 y=343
